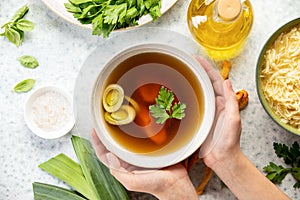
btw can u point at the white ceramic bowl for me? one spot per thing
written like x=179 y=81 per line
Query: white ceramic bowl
x=153 y=160
x=49 y=112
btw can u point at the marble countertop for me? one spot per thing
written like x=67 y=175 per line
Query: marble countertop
x=62 y=48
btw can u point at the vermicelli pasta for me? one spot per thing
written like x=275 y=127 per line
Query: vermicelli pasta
x=281 y=77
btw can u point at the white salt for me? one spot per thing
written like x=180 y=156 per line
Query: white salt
x=51 y=111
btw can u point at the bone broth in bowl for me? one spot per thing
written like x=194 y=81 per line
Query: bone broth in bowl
x=152 y=105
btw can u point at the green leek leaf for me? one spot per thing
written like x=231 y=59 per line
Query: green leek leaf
x=67 y=170
x=44 y=191
x=96 y=173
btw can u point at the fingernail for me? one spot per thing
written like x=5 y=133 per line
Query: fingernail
x=228 y=84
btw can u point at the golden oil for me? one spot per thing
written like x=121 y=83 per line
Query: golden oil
x=221 y=38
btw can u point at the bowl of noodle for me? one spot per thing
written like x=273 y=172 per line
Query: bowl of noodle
x=278 y=76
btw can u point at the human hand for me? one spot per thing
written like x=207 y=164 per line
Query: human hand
x=168 y=183
x=224 y=139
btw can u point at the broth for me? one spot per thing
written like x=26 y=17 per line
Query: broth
x=141 y=77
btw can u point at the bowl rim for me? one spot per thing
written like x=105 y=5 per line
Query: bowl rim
x=284 y=28
x=40 y=132
x=144 y=160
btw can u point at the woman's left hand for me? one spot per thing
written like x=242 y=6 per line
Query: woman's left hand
x=167 y=183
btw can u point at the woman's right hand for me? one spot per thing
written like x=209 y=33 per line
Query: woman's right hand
x=224 y=140
x=222 y=152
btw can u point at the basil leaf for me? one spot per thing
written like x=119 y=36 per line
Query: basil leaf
x=25 y=25
x=21 y=35
x=25 y=85
x=7 y=25
x=14 y=29
x=13 y=36
x=20 y=13
x=29 y=61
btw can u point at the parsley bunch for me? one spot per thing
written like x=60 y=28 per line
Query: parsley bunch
x=165 y=108
x=291 y=157
x=108 y=15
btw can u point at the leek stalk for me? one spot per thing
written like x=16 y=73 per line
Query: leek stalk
x=96 y=173
x=44 y=191
x=90 y=179
x=67 y=170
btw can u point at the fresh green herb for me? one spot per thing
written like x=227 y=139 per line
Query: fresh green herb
x=15 y=28
x=29 y=61
x=291 y=157
x=165 y=108
x=89 y=180
x=25 y=85
x=106 y=16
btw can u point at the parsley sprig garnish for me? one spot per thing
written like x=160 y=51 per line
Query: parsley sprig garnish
x=165 y=108
x=291 y=157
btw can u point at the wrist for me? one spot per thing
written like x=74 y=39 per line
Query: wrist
x=226 y=160
x=181 y=189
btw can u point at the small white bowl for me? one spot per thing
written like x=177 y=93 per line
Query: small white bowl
x=49 y=112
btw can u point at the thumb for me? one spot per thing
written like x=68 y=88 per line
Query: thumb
x=232 y=106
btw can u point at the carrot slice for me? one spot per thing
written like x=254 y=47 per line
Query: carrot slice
x=160 y=137
x=149 y=92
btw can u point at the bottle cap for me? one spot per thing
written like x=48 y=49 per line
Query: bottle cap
x=229 y=9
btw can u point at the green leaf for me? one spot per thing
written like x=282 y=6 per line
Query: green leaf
x=25 y=25
x=140 y=7
x=21 y=35
x=295 y=154
x=29 y=61
x=86 y=11
x=159 y=112
x=14 y=29
x=25 y=85
x=7 y=25
x=155 y=12
x=98 y=25
x=276 y=173
x=44 y=191
x=113 y=13
x=67 y=170
x=165 y=98
x=290 y=155
x=131 y=3
x=296 y=175
x=20 y=13
x=77 y=2
x=178 y=111
x=71 y=8
x=131 y=13
x=116 y=14
x=96 y=173
x=164 y=107
x=13 y=36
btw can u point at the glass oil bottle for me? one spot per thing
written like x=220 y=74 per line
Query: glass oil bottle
x=220 y=26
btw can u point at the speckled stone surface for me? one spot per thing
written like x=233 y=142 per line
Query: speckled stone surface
x=62 y=47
